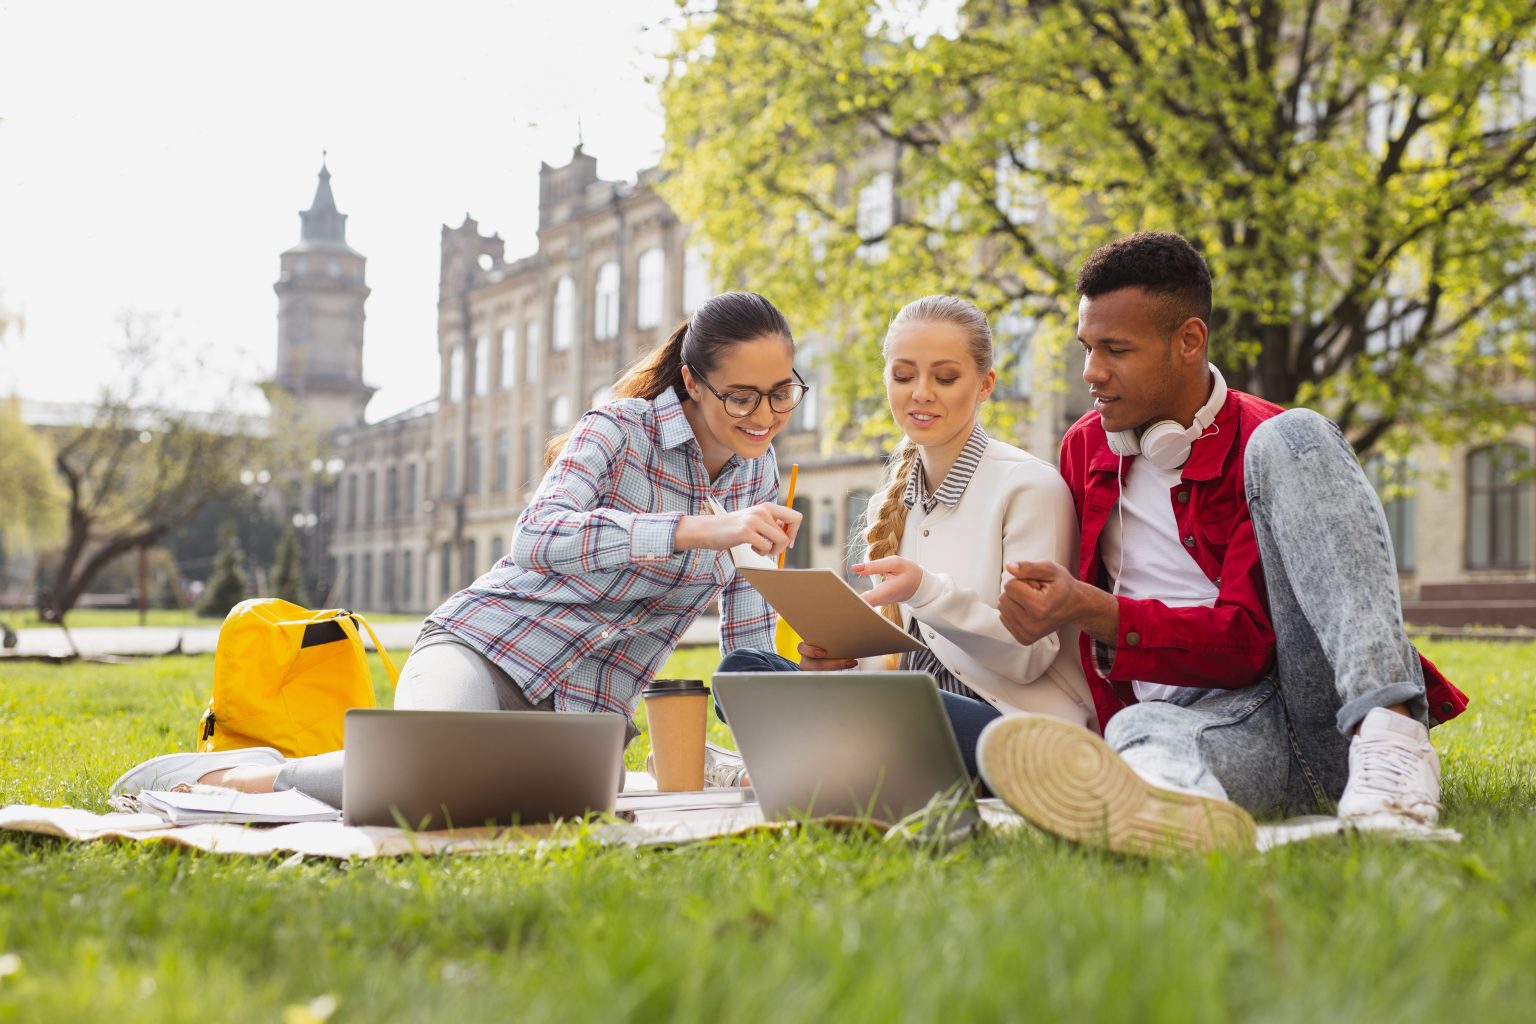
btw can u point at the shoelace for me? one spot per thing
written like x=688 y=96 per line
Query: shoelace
x=1387 y=769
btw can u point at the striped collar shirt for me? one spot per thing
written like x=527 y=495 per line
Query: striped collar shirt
x=955 y=481
x=948 y=494
x=591 y=600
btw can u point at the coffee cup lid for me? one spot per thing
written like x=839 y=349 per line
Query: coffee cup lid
x=671 y=687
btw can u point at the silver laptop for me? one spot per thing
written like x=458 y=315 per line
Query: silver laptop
x=844 y=743
x=461 y=769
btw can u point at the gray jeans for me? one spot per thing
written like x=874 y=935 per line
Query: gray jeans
x=1282 y=744
x=442 y=673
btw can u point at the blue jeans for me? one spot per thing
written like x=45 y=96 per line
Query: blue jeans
x=967 y=717
x=1282 y=744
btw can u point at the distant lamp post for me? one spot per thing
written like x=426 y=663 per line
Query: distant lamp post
x=255 y=482
x=317 y=522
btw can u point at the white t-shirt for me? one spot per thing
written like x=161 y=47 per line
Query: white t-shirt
x=1152 y=562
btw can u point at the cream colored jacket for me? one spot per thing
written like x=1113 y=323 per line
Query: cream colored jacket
x=1015 y=508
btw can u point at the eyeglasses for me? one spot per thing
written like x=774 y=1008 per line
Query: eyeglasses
x=740 y=404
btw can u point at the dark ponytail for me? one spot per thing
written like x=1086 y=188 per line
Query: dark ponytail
x=722 y=321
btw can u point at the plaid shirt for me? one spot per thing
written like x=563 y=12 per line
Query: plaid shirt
x=592 y=598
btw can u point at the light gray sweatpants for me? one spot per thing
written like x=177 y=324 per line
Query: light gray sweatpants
x=442 y=673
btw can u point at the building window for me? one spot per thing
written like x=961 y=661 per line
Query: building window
x=445 y=573
x=799 y=556
x=533 y=350
x=1013 y=342
x=565 y=314
x=456 y=373
x=875 y=215
x=855 y=505
x=1401 y=508
x=387 y=598
x=391 y=493
x=471 y=563
x=605 y=302
x=410 y=491
x=498 y=549
x=450 y=469
x=695 y=277
x=648 y=294
x=508 y=357
x=405 y=578
x=365 y=599
x=1018 y=197
x=482 y=380
x=349 y=582
x=472 y=471
x=559 y=412
x=804 y=416
x=1499 y=522
x=532 y=468
x=370 y=497
x=503 y=460
x=352 y=500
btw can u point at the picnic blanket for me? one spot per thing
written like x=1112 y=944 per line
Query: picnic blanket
x=643 y=820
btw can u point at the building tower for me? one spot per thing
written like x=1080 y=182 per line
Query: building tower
x=320 y=296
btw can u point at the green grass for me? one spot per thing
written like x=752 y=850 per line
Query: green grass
x=815 y=926
x=121 y=618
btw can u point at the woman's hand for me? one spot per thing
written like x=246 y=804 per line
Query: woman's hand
x=902 y=577
x=768 y=528
x=814 y=659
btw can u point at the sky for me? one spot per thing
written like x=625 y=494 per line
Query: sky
x=154 y=157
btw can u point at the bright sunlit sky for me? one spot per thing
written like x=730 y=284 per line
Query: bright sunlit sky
x=154 y=157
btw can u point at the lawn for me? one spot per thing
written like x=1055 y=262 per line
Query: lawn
x=120 y=618
x=812 y=927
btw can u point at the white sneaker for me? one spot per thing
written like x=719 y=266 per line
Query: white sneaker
x=168 y=770
x=1067 y=780
x=723 y=769
x=1394 y=775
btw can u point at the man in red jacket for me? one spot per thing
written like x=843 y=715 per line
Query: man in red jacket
x=1236 y=594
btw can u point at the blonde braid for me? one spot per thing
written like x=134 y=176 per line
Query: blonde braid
x=888 y=519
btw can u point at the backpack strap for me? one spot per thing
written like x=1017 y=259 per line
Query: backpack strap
x=389 y=664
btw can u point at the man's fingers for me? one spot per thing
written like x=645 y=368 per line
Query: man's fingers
x=1043 y=571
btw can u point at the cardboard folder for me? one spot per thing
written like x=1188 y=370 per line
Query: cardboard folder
x=827 y=612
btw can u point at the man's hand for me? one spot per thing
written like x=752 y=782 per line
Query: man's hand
x=1043 y=596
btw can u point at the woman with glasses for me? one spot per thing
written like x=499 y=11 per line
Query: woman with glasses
x=958 y=506
x=614 y=558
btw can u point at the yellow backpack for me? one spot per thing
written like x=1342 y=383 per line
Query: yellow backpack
x=284 y=677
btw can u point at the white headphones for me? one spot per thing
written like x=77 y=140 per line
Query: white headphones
x=1166 y=443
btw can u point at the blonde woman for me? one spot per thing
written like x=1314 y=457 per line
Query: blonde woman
x=957 y=507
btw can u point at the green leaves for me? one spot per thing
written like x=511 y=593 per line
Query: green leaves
x=1325 y=159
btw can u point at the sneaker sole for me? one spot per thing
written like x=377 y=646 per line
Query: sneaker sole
x=1066 y=780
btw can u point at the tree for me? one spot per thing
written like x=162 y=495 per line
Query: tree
x=288 y=573
x=31 y=512
x=140 y=467
x=227 y=586
x=1358 y=176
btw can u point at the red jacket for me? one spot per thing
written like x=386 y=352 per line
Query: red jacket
x=1228 y=645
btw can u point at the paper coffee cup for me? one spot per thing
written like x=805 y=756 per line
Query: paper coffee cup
x=677 y=710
